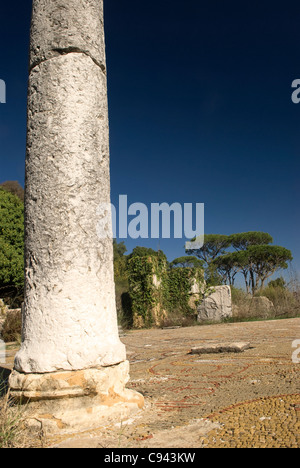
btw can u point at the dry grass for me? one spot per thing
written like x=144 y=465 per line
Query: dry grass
x=285 y=304
x=177 y=319
x=12 y=433
x=13 y=429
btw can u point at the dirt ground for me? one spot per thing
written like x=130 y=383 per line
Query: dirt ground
x=250 y=399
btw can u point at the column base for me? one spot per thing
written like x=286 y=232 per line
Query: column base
x=66 y=402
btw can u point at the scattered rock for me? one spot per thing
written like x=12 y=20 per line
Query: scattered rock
x=254 y=307
x=238 y=347
x=262 y=302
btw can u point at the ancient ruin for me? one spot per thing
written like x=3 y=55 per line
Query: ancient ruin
x=72 y=365
x=216 y=305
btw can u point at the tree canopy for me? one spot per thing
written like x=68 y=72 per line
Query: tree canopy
x=253 y=256
x=257 y=263
x=13 y=187
x=146 y=252
x=11 y=241
x=227 y=267
x=244 y=240
x=120 y=260
x=214 y=245
x=265 y=260
x=187 y=262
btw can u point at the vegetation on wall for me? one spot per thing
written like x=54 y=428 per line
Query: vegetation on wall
x=180 y=282
x=148 y=287
x=157 y=290
x=144 y=293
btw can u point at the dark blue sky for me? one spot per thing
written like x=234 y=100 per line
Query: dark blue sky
x=200 y=109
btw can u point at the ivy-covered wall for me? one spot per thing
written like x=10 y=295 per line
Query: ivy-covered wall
x=157 y=291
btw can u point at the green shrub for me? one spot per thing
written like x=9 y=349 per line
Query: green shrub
x=11 y=244
x=238 y=296
x=161 y=295
x=286 y=303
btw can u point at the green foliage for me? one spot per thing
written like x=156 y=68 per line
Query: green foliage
x=265 y=260
x=227 y=267
x=141 y=287
x=257 y=263
x=154 y=287
x=244 y=240
x=179 y=282
x=213 y=276
x=187 y=262
x=214 y=245
x=146 y=252
x=120 y=261
x=11 y=241
x=240 y=262
x=254 y=257
x=119 y=249
x=277 y=283
x=238 y=295
x=14 y=187
x=286 y=303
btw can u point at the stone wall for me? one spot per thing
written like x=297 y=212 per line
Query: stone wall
x=158 y=293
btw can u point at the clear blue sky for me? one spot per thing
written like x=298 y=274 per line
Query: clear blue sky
x=200 y=109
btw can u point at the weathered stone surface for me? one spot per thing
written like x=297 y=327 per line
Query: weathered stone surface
x=216 y=306
x=197 y=290
x=69 y=319
x=215 y=348
x=70 y=299
x=72 y=366
x=68 y=401
x=60 y=27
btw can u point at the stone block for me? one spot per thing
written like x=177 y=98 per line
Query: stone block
x=238 y=347
x=216 y=306
x=63 y=402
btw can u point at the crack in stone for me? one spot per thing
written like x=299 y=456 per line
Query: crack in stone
x=67 y=51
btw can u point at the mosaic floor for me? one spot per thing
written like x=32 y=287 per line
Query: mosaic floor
x=250 y=399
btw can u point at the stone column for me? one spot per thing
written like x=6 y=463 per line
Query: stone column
x=70 y=343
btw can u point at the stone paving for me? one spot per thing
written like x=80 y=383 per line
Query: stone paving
x=272 y=422
x=251 y=399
